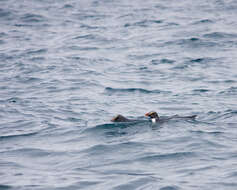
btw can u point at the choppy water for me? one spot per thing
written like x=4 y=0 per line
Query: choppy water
x=67 y=67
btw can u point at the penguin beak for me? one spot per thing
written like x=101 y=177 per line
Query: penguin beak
x=113 y=119
x=147 y=114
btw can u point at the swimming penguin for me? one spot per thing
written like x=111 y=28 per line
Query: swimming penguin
x=153 y=116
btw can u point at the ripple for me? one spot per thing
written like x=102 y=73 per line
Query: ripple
x=204 y=21
x=3 y=137
x=143 y=23
x=202 y=90
x=220 y=35
x=32 y=18
x=169 y=188
x=168 y=156
x=229 y=91
x=6 y=14
x=162 y=61
x=132 y=90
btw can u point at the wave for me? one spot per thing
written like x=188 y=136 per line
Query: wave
x=229 y=91
x=3 y=137
x=132 y=90
x=32 y=18
x=220 y=35
x=143 y=23
x=167 y=156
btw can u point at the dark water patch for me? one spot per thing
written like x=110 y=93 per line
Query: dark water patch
x=68 y=6
x=169 y=188
x=36 y=52
x=162 y=61
x=32 y=18
x=167 y=61
x=3 y=34
x=111 y=91
x=90 y=16
x=6 y=14
x=232 y=175
x=88 y=36
x=13 y=100
x=220 y=35
x=202 y=60
x=5 y=187
x=83 y=48
x=229 y=91
x=181 y=66
x=6 y=137
x=204 y=21
x=89 y=27
x=168 y=156
x=200 y=91
x=214 y=133
x=143 y=23
x=193 y=42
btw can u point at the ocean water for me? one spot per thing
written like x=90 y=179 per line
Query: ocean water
x=68 y=67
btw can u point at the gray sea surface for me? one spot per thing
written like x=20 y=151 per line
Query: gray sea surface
x=68 y=67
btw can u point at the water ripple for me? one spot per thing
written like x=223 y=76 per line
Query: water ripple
x=132 y=90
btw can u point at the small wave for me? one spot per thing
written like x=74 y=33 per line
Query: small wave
x=202 y=60
x=6 y=14
x=17 y=135
x=67 y=6
x=169 y=188
x=85 y=48
x=132 y=90
x=214 y=133
x=193 y=42
x=167 y=156
x=36 y=52
x=201 y=90
x=143 y=23
x=229 y=91
x=88 y=36
x=13 y=100
x=203 y=21
x=220 y=35
x=220 y=116
x=32 y=18
x=162 y=61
